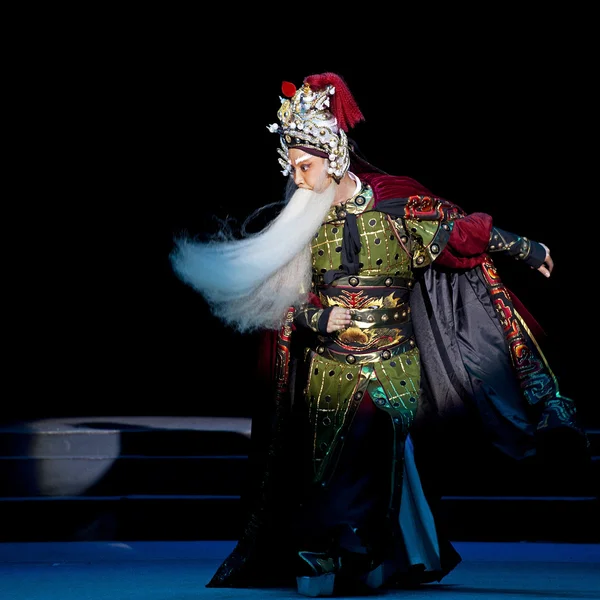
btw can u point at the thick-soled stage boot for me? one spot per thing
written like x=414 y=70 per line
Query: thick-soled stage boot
x=321 y=572
x=374 y=578
x=359 y=574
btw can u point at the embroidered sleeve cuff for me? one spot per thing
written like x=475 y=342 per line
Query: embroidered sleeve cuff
x=536 y=256
x=323 y=319
x=531 y=253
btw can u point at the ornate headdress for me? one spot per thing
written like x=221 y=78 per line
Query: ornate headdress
x=316 y=117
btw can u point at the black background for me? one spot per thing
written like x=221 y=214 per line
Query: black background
x=131 y=136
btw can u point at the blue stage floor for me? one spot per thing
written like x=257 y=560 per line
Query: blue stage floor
x=180 y=570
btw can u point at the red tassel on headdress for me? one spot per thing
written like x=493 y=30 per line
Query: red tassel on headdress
x=288 y=89
x=343 y=105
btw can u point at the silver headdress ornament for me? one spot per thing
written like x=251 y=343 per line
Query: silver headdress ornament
x=307 y=120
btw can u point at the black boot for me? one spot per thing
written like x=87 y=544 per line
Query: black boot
x=321 y=570
x=360 y=574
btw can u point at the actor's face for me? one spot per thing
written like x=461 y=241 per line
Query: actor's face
x=309 y=172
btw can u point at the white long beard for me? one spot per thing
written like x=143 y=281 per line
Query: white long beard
x=250 y=283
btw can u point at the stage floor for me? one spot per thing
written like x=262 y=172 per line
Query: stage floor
x=180 y=570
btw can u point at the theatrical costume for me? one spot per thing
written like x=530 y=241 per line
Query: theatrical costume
x=364 y=383
x=434 y=330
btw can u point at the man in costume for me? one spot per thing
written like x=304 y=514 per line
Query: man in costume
x=383 y=316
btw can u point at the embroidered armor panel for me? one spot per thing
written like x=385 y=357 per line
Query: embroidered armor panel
x=336 y=388
x=376 y=353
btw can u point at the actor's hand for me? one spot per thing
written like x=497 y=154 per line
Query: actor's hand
x=339 y=319
x=546 y=268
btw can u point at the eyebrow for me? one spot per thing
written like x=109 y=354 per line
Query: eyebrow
x=302 y=158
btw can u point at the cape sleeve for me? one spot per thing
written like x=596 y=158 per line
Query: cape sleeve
x=467 y=244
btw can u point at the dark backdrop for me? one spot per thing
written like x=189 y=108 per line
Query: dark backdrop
x=140 y=138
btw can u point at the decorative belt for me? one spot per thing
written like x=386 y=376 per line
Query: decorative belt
x=366 y=357
x=382 y=317
x=371 y=281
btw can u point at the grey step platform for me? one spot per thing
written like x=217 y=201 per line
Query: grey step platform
x=183 y=478
x=172 y=517
x=123 y=456
x=144 y=455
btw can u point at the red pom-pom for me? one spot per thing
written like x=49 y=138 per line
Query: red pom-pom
x=288 y=89
x=343 y=105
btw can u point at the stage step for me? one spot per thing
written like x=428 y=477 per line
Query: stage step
x=169 y=517
x=181 y=478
